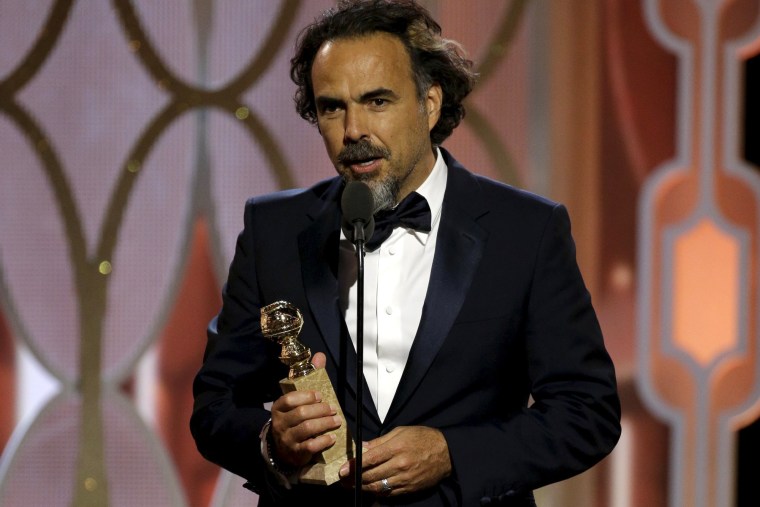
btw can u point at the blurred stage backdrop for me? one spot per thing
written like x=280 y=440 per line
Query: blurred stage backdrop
x=132 y=131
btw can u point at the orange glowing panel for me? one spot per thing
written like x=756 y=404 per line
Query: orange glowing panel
x=706 y=292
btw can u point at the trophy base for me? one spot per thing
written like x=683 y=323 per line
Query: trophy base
x=321 y=473
x=327 y=464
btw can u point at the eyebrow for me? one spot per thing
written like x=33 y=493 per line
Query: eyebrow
x=322 y=100
x=327 y=101
x=378 y=92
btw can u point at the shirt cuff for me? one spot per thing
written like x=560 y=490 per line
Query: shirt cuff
x=284 y=478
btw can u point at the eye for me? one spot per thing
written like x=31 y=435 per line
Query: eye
x=328 y=107
x=379 y=103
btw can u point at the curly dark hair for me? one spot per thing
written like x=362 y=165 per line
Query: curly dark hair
x=435 y=60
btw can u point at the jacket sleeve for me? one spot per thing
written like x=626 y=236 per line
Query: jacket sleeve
x=574 y=420
x=239 y=374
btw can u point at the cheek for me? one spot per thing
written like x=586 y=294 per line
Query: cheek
x=333 y=142
x=388 y=132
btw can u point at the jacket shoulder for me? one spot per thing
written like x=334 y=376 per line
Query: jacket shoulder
x=295 y=196
x=485 y=195
x=505 y=193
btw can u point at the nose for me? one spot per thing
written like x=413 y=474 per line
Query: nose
x=355 y=128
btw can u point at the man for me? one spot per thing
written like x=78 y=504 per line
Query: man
x=465 y=320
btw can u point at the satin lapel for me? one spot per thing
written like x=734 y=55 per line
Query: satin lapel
x=459 y=249
x=318 y=246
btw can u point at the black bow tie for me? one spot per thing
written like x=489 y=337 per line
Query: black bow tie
x=413 y=213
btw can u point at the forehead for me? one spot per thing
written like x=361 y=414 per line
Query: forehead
x=375 y=60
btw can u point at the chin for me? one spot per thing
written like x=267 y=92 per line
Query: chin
x=368 y=178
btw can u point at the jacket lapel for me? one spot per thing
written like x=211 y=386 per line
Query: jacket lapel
x=318 y=246
x=459 y=249
x=318 y=250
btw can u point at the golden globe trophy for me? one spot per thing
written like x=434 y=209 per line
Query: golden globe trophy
x=281 y=322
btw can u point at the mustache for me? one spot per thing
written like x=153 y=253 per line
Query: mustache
x=361 y=151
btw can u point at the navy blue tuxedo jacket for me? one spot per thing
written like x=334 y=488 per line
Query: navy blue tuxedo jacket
x=506 y=317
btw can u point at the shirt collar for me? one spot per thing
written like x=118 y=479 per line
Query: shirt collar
x=432 y=189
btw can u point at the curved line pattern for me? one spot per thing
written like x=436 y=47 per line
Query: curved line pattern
x=31 y=63
x=498 y=50
x=495 y=147
x=117 y=204
x=145 y=52
x=64 y=198
x=188 y=96
x=28 y=127
x=275 y=156
x=90 y=290
x=263 y=59
x=90 y=285
x=505 y=34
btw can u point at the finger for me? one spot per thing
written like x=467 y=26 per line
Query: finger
x=346 y=473
x=372 y=483
x=373 y=458
x=313 y=428
x=373 y=474
x=379 y=463
x=382 y=439
x=384 y=487
x=347 y=470
x=382 y=448
x=297 y=444
x=408 y=458
x=306 y=421
x=295 y=399
x=293 y=424
x=390 y=485
x=303 y=413
x=319 y=360
x=299 y=453
x=318 y=443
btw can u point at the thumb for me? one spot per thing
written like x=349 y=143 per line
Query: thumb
x=319 y=360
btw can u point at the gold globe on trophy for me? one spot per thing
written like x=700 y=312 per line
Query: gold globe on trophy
x=281 y=322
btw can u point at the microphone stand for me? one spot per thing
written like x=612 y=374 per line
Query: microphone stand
x=359 y=239
x=357 y=205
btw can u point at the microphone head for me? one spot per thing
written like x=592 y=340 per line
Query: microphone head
x=357 y=205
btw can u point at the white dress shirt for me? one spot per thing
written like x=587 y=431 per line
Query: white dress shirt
x=396 y=278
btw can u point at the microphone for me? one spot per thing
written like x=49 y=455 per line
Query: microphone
x=357 y=205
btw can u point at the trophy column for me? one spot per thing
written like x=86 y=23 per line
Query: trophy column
x=281 y=322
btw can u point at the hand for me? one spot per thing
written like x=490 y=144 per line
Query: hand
x=299 y=421
x=410 y=458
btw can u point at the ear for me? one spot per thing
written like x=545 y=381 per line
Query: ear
x=433 y=103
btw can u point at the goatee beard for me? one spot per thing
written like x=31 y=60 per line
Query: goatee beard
x=385 y=191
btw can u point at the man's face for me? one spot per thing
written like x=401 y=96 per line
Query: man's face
x=375 y=127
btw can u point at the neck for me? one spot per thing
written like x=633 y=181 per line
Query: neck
x=418 y=175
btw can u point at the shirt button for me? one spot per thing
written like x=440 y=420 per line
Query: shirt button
x=389 y=310
x=392 y=251
x=389 y=367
